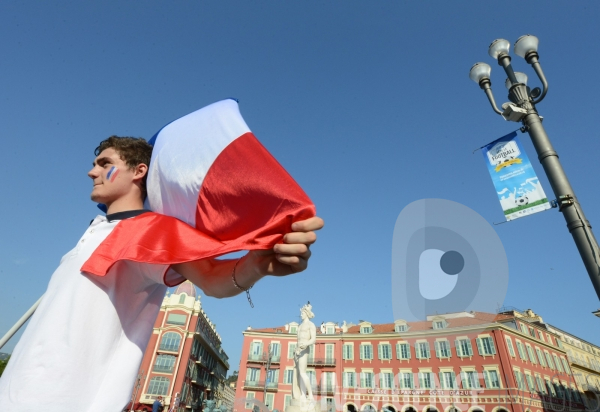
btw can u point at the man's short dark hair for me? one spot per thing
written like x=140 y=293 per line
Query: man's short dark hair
x=132 y=150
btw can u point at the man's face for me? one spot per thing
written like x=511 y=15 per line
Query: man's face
x=111 y=176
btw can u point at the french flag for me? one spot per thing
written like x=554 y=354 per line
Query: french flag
x=213 y=189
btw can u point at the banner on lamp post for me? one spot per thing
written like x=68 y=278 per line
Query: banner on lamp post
x=519 y=189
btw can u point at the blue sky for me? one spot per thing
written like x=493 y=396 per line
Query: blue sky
x=367 y=104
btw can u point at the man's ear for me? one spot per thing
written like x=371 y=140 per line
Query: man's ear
x=140 y=171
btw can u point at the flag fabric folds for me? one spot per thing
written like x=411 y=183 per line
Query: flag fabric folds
x=213 y=188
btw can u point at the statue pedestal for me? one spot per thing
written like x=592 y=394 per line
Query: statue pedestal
x=303 y=405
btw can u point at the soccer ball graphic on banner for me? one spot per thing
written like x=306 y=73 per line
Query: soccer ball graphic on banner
x=522 y=201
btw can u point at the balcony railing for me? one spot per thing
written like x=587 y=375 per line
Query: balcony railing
x=262 y=358
x=321 y=361
x=271 y=386
x=325 y=390
x=162 y=368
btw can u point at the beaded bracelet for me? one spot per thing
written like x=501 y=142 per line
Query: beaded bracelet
x=239 y=287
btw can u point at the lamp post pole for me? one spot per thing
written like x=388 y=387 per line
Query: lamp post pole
x=521 y=108
x=268 y=357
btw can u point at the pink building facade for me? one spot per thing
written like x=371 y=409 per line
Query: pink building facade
x=184 y=362
x=464 y=362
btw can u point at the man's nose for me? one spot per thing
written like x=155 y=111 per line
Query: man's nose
x=93 y=173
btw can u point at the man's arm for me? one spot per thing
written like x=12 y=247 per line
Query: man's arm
x=213 y=276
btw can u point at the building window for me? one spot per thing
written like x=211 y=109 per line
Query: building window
x=287 y=401
x=426 y=380
x=550 y=387
x=422 y=350
x=470 y=379
x=366 y=329
x=402 y=351
x=366 y=379
x=293 y=329
x=520 y=381
x=524 y=328
x=249 y=400
x=176 y=319
x=288 y=377
x=521 y=351
x=540 y=385
x=540 y=357
x=348 y=351
x=170 y=341
x=269 y=401
x=565 y=364
x=385 y=351
x=386 y=380
x=159 y=385
x=532 y=332
x=530 y=383
x=439 y=324
x=401 y=328
x=491 y=378
x=447 y=380
x=530 y=353
x=509 y=344
x=463 y=348
x=291 y=350
x=253 y=375
x=366 y=351
x=549 y=360
x=442 y=349
x=275 y=350
x=182 y=298
x=349 y=380
x=485 y=345
x=406 y=380
x=549 y=339
x=164 y=363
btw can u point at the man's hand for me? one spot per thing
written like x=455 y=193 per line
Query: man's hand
x=214 y=276
x=292 y=255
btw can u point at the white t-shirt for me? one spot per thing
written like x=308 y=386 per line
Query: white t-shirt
x=83 y=346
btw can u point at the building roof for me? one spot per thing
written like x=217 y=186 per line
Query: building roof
x=186 y=287
x=475 y=318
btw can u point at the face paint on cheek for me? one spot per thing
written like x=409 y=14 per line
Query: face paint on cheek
x=112 y=174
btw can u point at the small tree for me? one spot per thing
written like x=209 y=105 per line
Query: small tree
x=3 y=363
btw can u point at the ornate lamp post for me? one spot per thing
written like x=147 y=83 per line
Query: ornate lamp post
x=522 y=109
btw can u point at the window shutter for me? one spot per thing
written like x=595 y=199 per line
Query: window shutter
x=437 y=349
x=480 y=346
x=458 y=348
x=486 y=379
x=428 y=355
x=362 y=351
x=442 y=382
x=411 y=380
x=398 y=353
x=408 y=351
x=379 y=351
x=470 y=348
x=492 y=346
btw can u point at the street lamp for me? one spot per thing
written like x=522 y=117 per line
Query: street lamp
x=521 y=108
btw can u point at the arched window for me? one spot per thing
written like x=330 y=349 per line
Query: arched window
x=164 y=363
x=170 y=341
x=159 y=385
x=182 y=298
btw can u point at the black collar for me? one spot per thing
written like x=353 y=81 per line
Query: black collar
x=125 y=215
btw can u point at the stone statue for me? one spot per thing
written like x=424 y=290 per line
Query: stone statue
x=302 y=396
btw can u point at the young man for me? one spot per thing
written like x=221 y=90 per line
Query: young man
x=83 y=346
